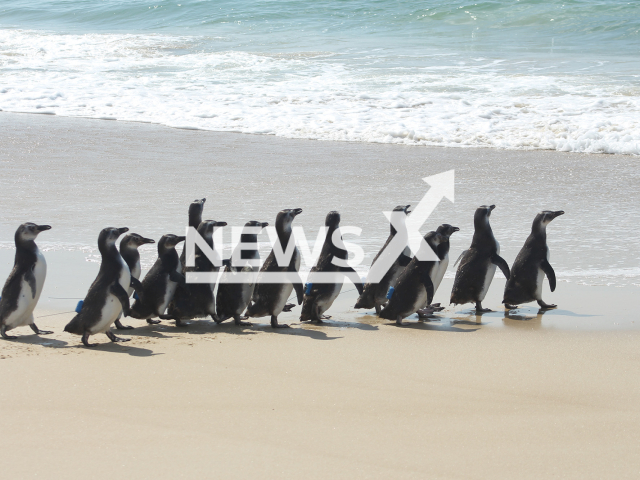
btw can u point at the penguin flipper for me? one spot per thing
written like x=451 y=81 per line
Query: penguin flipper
x=460 y=257
x=122 y=295
x=551 y=275
x=502 y=264
x=428 y=284
x=178 y=278
x=353 y=276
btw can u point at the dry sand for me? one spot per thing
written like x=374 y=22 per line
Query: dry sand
x=354 y=398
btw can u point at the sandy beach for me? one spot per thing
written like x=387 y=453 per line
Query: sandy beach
x=521 y=394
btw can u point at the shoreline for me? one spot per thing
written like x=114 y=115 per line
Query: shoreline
x=353 y=142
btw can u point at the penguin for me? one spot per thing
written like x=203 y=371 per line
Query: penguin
x=440 y=268
x=107 y=297
x=197 y=299
x=232 y=299
x=531 y=265
x=322 y=295
x=414 y=288
x=478 y=263
x=271 y=298
x=160 y=283
x=374 y=295
x=23 y=287
x=195 y=219
x=129 y=251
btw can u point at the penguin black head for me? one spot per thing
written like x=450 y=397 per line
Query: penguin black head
x=108 y=237
x=251 y=231
x=544 y=218
x=400 y=208
x=168 y=242
x=133 y=240
x=286 y=217
x=447 y=230
x=482 y=215
x=255 y=223
x=333 y=220
x=207 y=227
x=195 y=212
x=27 y=232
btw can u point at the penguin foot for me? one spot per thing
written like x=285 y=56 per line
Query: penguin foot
x=240 y=323
x=429 y=310
x=546 y=306
x=216 y=318
x=508 y=306
x=275 y=324
x=378 y=310
x=120 y=326
x=325 y=317
x=85 y=341
x=3 y=331
x=400 y=323
x=37 y=331
x=479 y=308
x=113 y=338
x=180 y=323
x=288 y=307
x=153 y=322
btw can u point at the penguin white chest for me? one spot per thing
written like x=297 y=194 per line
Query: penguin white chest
x=112 y=306
x=438 y=274
x=488 y=278
x=170 y=290
x=539 y=280
x=135 y=273
x=27 y=298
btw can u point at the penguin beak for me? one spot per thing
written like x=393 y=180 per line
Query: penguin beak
x=123 y=230
x=148 y=240
x=456 y=229
x=297 y=211
x=203 y=200
x=264 y=224
x=221 y=224
x=491 y=207
x=558 y=213
x=42 y=228
x=180 y=239
x=406 y=209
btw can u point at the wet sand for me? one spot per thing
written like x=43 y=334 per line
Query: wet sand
x=503 y=395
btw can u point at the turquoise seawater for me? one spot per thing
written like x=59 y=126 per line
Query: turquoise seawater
x=559 y=75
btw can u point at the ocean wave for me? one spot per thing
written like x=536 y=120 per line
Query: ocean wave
x=475 y=102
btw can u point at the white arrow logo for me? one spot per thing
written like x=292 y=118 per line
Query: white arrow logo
x=408 y=228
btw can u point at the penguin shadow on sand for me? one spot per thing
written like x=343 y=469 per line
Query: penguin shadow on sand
x=473 y=318
x=532 y=317
x=113 y=347
x=300 y=329
x=42 y=341
x=204 y=326
x=437 y=323
x=528 y=318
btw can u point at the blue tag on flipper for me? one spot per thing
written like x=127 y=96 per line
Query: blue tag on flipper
x=79 y=306
x=135 y=296
x=307 y=290
x=390 y=292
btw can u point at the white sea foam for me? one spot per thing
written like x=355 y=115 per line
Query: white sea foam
x=163 y=79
